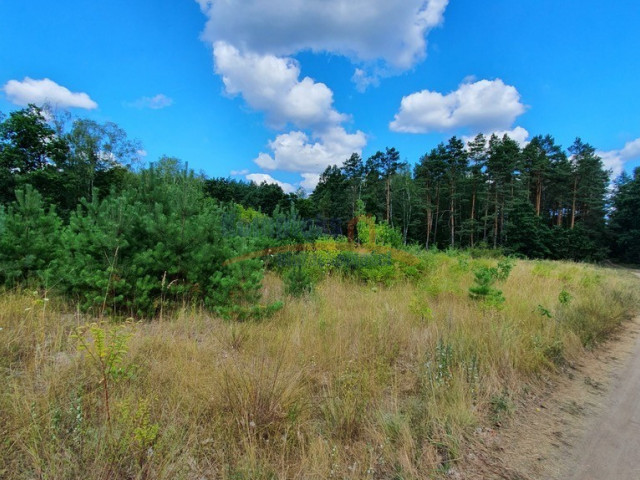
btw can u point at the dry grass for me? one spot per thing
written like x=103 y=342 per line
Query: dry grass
x=354 y=382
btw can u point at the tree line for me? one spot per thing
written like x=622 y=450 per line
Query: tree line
x=540 y=200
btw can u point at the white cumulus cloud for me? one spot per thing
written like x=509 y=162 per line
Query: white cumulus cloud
x=44 y=91
x=519 y=134
x=364 y=30
x=272 y=85
x=259 y=178
x=309 y=181
x=631 y=150
x=615 y=160
x=296 y=152
x=485 y=106
x=253 y=47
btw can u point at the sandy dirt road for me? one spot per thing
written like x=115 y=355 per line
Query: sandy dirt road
x=610 y=448
x=586 y=426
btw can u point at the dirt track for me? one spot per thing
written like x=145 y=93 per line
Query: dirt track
x=611 y=447
x=586 y=427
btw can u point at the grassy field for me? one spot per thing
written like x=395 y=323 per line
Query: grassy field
x=354 y=381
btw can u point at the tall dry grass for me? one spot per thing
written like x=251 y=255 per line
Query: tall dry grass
x=355 y=381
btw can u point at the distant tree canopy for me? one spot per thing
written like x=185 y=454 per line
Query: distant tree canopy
x=540 y=200
x=63 y=165
x=624 y=222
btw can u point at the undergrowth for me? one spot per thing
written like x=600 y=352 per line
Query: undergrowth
x=362 y=379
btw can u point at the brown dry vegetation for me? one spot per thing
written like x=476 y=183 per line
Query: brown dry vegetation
x=354 y=381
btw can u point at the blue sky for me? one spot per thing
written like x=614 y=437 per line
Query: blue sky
x=279 y=89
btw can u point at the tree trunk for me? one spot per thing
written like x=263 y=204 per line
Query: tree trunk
x=538 y=195
x=573 y=203
x=407 y=216
x=473 y=213
x=486 y=219
x=452 y=219
x=435 y=229
x=429 y=217
x=388 y=192
x=495 y=221
x=559 y=215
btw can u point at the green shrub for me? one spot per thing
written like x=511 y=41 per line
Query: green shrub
x=298 y=281
x=29 y=238
x=483 y=289
x=565 y=297
x=384 y=274
x=372 y=233
x=159 y=244
x=482 y=250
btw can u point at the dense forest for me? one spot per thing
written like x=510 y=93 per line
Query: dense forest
x=538 y=201
x=79 y=212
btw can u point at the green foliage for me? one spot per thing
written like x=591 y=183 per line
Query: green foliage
x=545 y=312
x=137 y=433
x=106 y=347
x=577 y=244
x=527 y=233
x=504 y=269
x=624 y=224
x=543 y=269
x=99 y=154
x=483 y=289
x=440 y=370
x=29 y=238
x=489 y=195
x=298 y=281
x=371 y=233
x=265 y=197
x=565 y=297
x=500 y=406
x=331 y=196
x=29 y=151
x=158 y=244
x=284 y=227
x=384 y=274
x=304 y=265
x=482 y=250
x=485 y=278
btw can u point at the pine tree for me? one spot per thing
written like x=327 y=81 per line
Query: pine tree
x=429 y=174
x=477 y=184
x=29 y=239
x=624 y=223
x=353 y=170
x=456 y=163
x=373 y=188
x=30 y=153
x=389 y=165
x=589 y=187
x=404 y=191
x=502 y=164
x=332 y=198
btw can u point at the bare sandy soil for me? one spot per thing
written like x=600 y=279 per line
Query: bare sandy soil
x=586 y=427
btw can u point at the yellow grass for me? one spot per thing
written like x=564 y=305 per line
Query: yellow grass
x=355 y=381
